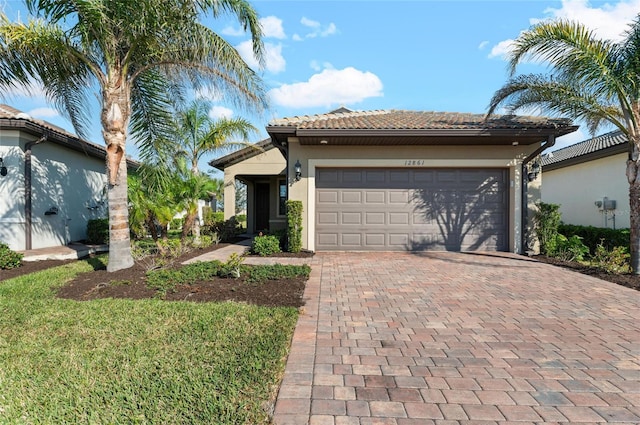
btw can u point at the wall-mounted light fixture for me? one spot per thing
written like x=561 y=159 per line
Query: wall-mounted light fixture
x=297 y=167
x=3 y=169
x=534 y=170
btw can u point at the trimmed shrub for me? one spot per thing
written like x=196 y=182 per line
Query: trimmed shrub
x=98 y=231
x=547 y=220
x=594 y=236
x=294 y=225
x=9 y=259
x=265 y=245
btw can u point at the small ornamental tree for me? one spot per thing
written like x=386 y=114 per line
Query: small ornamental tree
x=294 y=225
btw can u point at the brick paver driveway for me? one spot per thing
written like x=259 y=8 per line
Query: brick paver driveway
x=450 y=338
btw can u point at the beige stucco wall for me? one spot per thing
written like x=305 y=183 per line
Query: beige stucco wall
x=268 y=163
x=577 y=187
x=71 y=181
x=312 y=157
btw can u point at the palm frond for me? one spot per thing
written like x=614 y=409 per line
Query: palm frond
x=556 y=97
x=42 y=52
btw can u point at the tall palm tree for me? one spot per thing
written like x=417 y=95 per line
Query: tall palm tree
x=135 y=55
x=594 y=80
x=198 y=134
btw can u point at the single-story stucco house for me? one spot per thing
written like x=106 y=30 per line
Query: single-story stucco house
x=588 y=181
x=51 y=181
x=397 y=180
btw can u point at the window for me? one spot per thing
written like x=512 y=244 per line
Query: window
x=282 y=197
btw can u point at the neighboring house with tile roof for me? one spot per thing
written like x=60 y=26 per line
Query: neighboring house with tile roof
x=51 y=182
x=391 y=180
x=588 y=181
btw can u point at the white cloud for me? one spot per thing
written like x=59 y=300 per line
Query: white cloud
x=272 y=27
x=329 y=87
x=232 y=31
x=483 y=45
x=309 y=23
x=317 y=29
x=501 y=49
x=274 y=61
x=297 y=37
x=317 y=66
x=217 y=112
x=43 y=113
x=608 y=21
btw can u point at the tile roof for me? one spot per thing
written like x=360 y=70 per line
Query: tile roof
x=590 y=146
x=344 y=119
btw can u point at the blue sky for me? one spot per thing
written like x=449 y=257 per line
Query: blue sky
x=418 y=55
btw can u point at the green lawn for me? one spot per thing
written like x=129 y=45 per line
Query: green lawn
x=121 y=362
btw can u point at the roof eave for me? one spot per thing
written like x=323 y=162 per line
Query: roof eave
x=73 y=143
x=279 y=134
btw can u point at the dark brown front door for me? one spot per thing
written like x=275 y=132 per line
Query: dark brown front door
x=262 y=206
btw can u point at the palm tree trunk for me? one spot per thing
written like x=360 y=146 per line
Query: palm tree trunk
x=633 y=176
x=119 y=240
x=115 y=119
x=189 y=220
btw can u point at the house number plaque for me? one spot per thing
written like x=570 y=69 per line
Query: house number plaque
x=417 y=162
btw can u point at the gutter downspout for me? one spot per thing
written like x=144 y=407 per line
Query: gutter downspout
x=27 y=189
x=551 y=140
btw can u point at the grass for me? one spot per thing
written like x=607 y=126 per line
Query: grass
x=135 y=362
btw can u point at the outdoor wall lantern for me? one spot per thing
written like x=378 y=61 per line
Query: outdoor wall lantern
x=534 y=171
x=3 y=169
x=298 y=170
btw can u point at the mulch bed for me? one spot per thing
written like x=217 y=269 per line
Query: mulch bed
x=130 y=283
x=628 y=280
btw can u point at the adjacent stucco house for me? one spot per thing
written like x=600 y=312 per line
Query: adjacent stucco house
x=54 y=183
x=399 y=180
x=588 y=181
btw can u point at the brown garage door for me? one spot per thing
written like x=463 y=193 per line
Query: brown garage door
x=388 y=209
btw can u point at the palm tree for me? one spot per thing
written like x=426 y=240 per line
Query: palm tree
x=135 y=55
x=198 y=134
x=152 y=204
x=594 y=80
x=189 y=189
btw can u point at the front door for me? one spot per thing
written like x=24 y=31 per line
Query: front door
x=262 y=206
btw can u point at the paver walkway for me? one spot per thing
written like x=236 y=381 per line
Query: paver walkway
x=451 y=338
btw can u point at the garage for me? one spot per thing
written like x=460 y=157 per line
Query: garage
x=411 y=209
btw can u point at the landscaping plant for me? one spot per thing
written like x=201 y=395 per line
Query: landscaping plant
x=546 y=221
x=265 y=245
x=98 y=231
x=294 y=225
x=9 y=259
